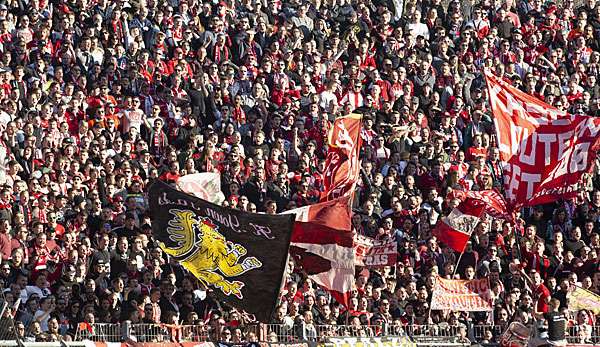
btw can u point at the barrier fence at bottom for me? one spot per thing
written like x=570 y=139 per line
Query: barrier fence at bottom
x=298 y=333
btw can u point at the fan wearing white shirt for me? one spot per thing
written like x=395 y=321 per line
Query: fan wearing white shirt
x=417 y=28
x=47 y=306
x=328 y=99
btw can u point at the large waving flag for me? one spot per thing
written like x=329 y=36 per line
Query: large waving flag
x=323 y=246
x=240 y=256
x=544 y=151
x=342 y=167
x=456 y=229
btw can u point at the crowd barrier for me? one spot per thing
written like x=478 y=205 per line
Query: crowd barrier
x=298 y=333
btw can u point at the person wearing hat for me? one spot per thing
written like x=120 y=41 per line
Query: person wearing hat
x=79 y=203
x=3 y=11
x=101 y=253
x=516 y=34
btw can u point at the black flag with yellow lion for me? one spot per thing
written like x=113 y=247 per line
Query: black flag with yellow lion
x=240 y=256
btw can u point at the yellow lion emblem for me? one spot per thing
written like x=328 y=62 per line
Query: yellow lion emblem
x=204 y=251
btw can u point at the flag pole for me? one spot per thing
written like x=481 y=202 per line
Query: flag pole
x=457 y=262
x=351 y=202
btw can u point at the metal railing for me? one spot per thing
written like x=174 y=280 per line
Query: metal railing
x=422 y=334
x=584 y=334
x=100 y=332
x=160 y=332
x=7 y=331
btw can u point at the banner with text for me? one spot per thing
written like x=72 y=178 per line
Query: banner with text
x=544 y=151
x=461 y=295
x=374 y=253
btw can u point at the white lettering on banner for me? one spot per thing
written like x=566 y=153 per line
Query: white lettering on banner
x=531 y=179
x=544 y=151
x=557 y=190
x=564 y=140
x=517 y=134
x=579 y=158
x=516 y=177
x=463 y=295
x=371 y=252
x=590 y=125
x=512 y=181
x=575 y=159
x=523 y=157
x=376 y=260
x=547 y=140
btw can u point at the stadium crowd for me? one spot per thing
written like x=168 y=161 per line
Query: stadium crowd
x=100 y=98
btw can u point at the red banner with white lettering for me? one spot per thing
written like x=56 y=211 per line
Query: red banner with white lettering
x=374 y=253
x=342 y=167
x=545 y=151
x=461 y=295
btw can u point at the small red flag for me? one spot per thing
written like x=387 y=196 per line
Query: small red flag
x=456 y=229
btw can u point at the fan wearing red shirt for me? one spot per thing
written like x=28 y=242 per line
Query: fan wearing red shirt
x=540 y=292
x=172 y=175
x=476 y=150
x=366 y=59
x=577 y=31
x=384 y=85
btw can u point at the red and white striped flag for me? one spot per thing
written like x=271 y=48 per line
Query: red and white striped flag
x=323 y=246
x=493 y=202
x=456 y=229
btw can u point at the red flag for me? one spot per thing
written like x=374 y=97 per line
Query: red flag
x=456 y=229
x=322 y=246
x=492 y=201
x=342 y=167
x=544 y=151
x=334 y=214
